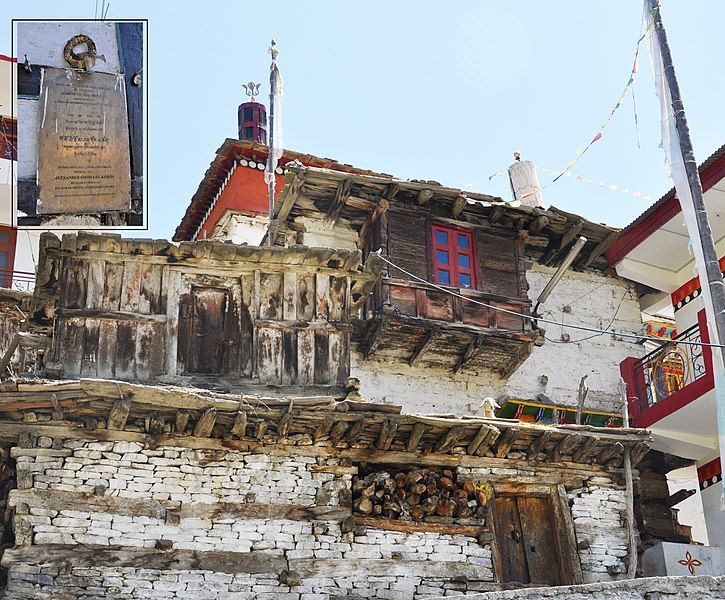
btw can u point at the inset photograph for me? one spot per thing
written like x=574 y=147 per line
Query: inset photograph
x=81 y=126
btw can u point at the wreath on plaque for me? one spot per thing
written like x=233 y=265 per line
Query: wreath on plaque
x=79 y=60
x=670 y=372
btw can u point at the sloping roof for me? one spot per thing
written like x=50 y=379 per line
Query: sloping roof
x=381 y=429
x=711 y=171
x=550 y=231
x=226 y=156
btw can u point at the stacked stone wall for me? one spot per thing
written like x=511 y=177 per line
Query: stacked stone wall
x=233 y=524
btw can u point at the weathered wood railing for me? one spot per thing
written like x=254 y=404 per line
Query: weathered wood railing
x=424 y=301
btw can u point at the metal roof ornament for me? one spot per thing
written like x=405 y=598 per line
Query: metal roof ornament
x=251 y=89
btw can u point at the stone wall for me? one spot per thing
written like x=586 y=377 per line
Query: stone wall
x=223 y=524
x=650 y=588
x=580 y=298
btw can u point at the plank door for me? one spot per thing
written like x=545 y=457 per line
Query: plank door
x=526 y=540
x=208 y=334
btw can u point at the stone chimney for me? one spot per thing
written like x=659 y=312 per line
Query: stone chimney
x=524 y=182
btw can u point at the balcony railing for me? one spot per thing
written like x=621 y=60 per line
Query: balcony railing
x=22 y=281
x=669 y=377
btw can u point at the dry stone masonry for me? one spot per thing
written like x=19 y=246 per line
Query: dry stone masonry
x=207 y=523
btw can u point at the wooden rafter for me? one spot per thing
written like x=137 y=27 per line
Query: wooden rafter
x=387 y=434
x=206 y=422
x=338 y=202
x=366 y=229
x=449 y=439
x=290 y=198
x=599 y=249
x=416 y=433
x=424 y=196
x=470 y=354
x=538 y=445
x=506 y=441
x=423 y=347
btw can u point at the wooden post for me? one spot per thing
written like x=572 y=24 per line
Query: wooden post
x=632 y=559
x=582 y=396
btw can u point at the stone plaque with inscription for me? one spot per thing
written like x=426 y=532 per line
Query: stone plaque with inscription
x=83 y=148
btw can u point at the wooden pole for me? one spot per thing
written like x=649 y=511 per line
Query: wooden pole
x=582 y=396
x=629 y=480
x=712 y=267
x=270 y=157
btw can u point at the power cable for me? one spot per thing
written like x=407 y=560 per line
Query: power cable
x=624 y=334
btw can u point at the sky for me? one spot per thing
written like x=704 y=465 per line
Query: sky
x=443 y=91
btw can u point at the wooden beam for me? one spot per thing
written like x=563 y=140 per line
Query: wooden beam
x=488 y=443
x=323 y=429
x=616 y=450
x=155 y=423
x=496 y=213
x=205 y=423
x=538 y=445
x=582 y=453
x=458 y=205
x=181 y=421
x=290 y=198
x=376 y=335
x=119 y=414
x=569 y=236
x=261 y=429
x=391 y=191
x=451 y=437
x=639 y=451
x=365 y=231
x=423 y=347
x=338 y=202
x=475 y=531
x=338 y=431
x=414 y=437
x=283 y=425
x=478 y=439
x=239 y=428
x=147 y=558
x=473 y=349
x=506 y=441
x=387 y=434
x=600 y=248
x=566 y=447
x=354 y=433
x=424 y=196
x=538 y=224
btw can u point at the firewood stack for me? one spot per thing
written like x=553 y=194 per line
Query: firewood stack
x=419 y=495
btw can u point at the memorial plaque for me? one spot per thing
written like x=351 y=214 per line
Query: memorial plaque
x=83 y=149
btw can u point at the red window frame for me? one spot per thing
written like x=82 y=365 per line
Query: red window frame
x=458 y=245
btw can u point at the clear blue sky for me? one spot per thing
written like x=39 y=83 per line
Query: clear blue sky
x=427 y=90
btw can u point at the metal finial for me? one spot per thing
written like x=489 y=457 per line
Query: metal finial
x=517 y=155
x=273 y=50
x=251 y=89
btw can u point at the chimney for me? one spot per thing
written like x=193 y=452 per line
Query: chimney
x=252 y=116
x=524 y=182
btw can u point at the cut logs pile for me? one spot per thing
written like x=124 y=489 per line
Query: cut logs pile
x=419 y=495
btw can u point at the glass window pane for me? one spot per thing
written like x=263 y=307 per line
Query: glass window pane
x=3 y=260
x=465 y=280
x=463 y=241
x=442 y=237
x=442 y=257
x=464 y=261
x=444 y=277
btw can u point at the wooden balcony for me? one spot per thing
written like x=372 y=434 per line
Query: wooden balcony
x=424 y=326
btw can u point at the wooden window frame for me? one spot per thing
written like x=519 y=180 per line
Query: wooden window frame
x=453 y=250
x=563 y=526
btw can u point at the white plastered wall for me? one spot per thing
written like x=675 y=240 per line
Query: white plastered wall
x=593 y=299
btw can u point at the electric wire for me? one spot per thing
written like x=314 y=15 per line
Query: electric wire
x=623 y=334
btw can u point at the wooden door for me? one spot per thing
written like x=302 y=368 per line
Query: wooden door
x=526 y=540
x=208 y=337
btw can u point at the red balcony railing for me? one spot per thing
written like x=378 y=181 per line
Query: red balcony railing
x=669 y=377
x=22 y=281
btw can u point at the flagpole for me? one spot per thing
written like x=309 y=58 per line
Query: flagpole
x=712 y=267
x=269 y=174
